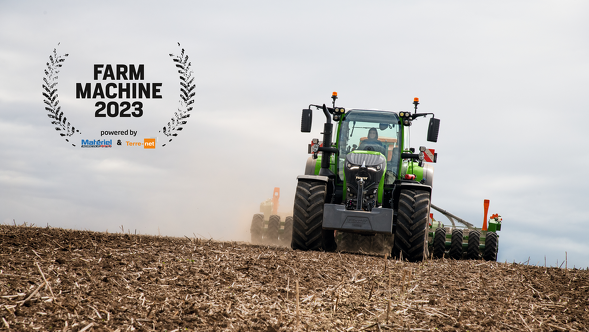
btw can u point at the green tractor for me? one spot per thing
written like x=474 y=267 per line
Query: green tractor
x=267 y=227
x=367 y=187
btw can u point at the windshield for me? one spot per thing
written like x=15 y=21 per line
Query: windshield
x=371 y=131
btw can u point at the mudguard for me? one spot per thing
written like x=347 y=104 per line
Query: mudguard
x=313 y=177
x=408 y=185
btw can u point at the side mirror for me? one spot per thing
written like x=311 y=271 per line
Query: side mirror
x=433 y=129
x=306 y=121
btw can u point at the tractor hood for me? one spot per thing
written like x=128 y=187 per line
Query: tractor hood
x=368 y=167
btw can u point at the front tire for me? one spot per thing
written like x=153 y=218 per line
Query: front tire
x=412 y=223
x=257 y=228
x=308 y=233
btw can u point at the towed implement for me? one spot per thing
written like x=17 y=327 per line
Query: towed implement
x=366 y=187
x=267 y=227
x=465 y=241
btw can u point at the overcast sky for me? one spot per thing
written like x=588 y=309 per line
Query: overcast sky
x=508 y=79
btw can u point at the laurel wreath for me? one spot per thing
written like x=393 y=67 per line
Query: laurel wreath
x=51 y=96
x=186 y=95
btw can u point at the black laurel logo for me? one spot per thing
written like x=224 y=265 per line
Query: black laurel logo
x=187 y=93
x=51 y=96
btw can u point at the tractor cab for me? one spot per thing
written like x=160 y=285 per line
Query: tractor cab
x=370 y=130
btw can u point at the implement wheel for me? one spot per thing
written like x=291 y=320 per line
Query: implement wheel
x=474 y=239
x=491 y=247
x=286 y=236
x=412 y=223
x=440 y=242
x=273 y=229
x=308 y=233
x=456 y=244
x=257 y=228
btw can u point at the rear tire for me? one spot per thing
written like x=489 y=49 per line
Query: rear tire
x=412 y=222
x=257 y=228
x=456 y=244
x=440 y=242
x=273 y=229
x=308 y=233
x=474 y=240
x=491 y=246
x=287 y=234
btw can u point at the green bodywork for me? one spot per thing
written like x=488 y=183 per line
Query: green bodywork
x=494 y=225
x=411 y=167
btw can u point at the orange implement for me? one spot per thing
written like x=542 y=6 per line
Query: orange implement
x=486 y=205
x=275 y=198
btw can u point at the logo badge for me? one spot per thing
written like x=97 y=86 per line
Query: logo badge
x=86 y=143
x=120 y=91
x=149 y=143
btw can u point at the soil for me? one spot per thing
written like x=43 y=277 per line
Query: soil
x=64 y=280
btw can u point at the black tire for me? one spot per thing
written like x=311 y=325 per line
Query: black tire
x=491 y=247
x=308 y=233
x=474 y=240
x=257 y=228
x=273 y=229
x=456 y=244
x=439 y=242
x=411 y=231
x=286 y=236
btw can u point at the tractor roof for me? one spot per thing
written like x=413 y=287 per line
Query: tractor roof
x=372 y=115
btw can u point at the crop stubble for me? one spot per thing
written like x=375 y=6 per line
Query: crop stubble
x=55 y=279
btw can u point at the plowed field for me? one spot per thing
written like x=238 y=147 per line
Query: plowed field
x=63 y=280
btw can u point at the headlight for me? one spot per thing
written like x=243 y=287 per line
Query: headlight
x=374 y=168
x=352 y=167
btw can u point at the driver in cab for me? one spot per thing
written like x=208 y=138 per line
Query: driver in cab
x=371 y=143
